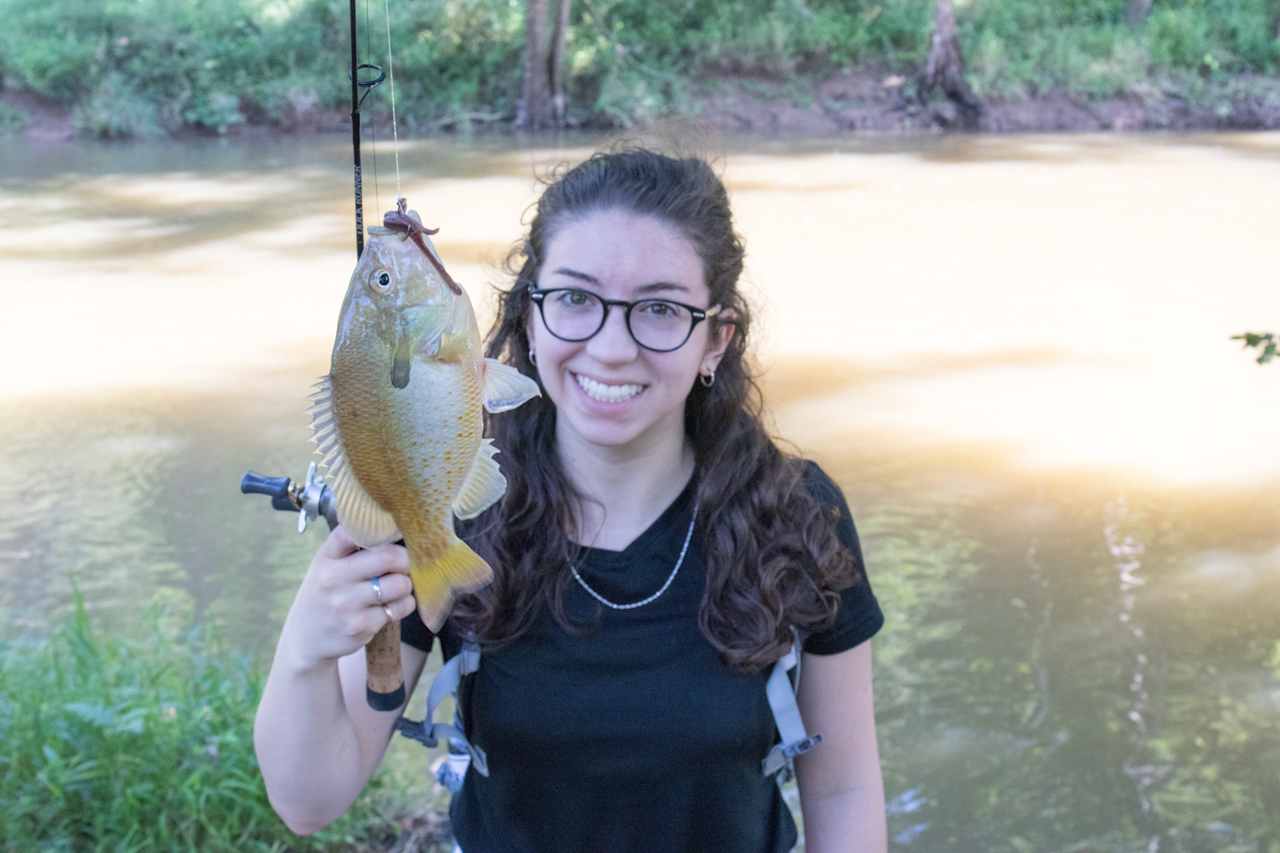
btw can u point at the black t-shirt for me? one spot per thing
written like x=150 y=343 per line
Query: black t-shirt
x=634 y=737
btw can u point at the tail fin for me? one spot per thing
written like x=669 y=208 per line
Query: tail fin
x=437 y=579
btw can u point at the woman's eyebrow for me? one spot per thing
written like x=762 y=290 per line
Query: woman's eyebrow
x=581 y=276
x=655 y=287
x=659 y=286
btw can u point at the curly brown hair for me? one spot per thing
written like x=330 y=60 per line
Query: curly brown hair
x=772 y=555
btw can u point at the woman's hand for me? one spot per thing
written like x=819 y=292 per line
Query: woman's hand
x=316 y=745
x=336 y=610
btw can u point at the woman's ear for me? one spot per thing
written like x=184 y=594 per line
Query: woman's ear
x=722 y=331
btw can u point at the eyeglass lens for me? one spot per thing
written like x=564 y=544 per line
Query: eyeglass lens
x=655 y=323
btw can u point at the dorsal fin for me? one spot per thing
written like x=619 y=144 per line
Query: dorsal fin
x=364 y=521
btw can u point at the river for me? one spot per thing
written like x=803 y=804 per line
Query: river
x=1013 y=353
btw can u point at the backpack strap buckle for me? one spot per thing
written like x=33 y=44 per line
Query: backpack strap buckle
x=428 y=732
x=793 y=738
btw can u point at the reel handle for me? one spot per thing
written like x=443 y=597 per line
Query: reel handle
x=385 y=688
x=279 y=488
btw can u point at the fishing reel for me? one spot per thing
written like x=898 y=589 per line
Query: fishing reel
x=313 y=499
x=310 y=500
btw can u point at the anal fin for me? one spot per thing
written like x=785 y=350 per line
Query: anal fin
x=484 y=485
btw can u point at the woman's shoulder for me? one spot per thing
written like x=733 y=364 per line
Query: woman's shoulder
x=831 y=498
x=819 y=484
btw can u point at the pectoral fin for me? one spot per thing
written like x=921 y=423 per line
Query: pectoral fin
x=365 y=522
x=401 y=361
x=484 y=485
x=505 y=387
x=437 y=581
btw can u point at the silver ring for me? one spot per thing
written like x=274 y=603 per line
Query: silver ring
x=376 y=583
x=387 y=610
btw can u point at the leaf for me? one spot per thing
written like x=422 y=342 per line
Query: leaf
x=98 y=715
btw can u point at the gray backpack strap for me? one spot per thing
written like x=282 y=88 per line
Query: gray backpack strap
x=794 y=740
x=428 y=731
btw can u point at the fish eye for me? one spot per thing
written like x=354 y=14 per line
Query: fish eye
x=380 y=280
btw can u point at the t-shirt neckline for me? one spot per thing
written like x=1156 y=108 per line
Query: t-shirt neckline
x=651 y=539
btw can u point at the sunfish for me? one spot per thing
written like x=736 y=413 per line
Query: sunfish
x=398 y=420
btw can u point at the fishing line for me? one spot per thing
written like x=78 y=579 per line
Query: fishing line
x=391 y=66
x=373 y=126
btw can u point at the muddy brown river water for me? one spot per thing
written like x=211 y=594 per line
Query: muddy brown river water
x=1012 y=352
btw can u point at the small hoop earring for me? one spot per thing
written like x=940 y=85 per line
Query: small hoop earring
x=707 y=379
x=533 y=357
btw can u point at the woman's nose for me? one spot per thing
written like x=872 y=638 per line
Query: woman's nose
x=614 y=342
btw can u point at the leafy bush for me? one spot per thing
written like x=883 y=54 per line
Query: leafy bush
x=135 y=67
x=114 y=109
x=139 y=744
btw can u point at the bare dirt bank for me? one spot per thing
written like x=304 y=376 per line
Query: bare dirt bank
x=849 y=101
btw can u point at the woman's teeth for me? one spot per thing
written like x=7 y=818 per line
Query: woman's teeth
x=607 y=393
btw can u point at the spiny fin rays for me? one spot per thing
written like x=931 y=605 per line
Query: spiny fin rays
x=365 y=522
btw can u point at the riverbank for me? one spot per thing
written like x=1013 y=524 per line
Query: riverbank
x=852 y=100
x=156 y=69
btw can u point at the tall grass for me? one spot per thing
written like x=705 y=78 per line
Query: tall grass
x=141 y=743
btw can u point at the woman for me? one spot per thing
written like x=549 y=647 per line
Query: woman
x=653 y=553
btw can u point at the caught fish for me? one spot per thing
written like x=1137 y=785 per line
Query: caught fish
x=398 y=420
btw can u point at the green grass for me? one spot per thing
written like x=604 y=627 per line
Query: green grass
x=143 y=743
x=143 y=67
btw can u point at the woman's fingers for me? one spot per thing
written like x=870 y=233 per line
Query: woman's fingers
x=337 y=544
x=389 y=587
x=375 y=562
x=374 y=617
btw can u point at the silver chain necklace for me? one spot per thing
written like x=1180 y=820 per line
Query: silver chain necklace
x=642 y=602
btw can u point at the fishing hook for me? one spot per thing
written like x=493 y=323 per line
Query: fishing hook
x=412 y=227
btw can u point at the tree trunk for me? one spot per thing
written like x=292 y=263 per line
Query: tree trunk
x=1138 y=11
x=945 y=66
x=555 y=70
x=535 y=109
x=543 y=103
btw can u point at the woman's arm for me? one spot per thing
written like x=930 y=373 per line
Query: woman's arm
x=841 y=789
x=316 y=738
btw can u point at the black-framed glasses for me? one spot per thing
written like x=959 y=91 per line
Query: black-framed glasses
x=576 y=315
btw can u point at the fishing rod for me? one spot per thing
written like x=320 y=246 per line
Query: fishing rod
x=313 y=498
x=357 y=101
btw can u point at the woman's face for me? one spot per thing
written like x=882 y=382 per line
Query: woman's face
x=609 y=391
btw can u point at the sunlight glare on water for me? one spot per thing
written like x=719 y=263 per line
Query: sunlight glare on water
x=1068 y=298
x=1071 y=299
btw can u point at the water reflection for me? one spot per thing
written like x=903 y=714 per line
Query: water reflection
x=1029 y=399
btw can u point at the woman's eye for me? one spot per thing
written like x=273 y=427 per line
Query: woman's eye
x=577 y=298
x=663 y=310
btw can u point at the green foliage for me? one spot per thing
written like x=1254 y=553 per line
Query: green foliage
x=140 y=67
x=633 y=60
x=1208 y=36
x=1017 y=48
x=139 y=744
x=1266 y=343
x=451 y=58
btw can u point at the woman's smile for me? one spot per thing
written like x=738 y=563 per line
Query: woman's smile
x=608 y=392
